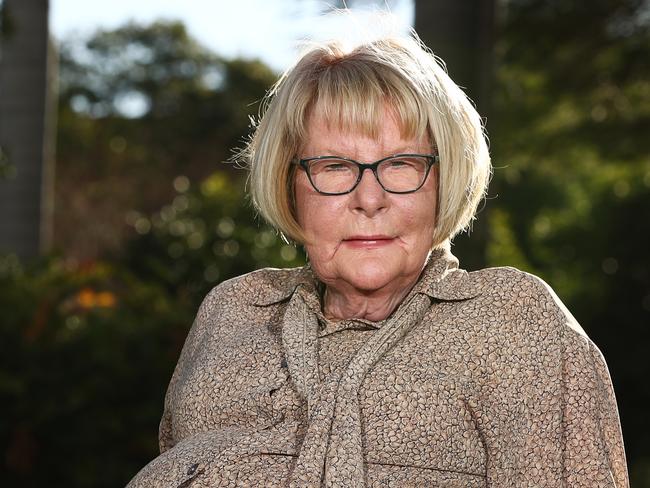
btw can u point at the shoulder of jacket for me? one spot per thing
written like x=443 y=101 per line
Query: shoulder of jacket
x=528 y=292
x=505 y=280
x=259 y=287
x=239 y=294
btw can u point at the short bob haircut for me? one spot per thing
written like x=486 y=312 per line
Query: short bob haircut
x=351 y=87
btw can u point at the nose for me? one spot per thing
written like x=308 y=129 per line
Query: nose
x=369 y=197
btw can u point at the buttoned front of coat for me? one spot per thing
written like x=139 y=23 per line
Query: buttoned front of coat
x=478 y=379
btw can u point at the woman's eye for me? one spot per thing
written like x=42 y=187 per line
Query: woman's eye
x=400 y=163
x=335 y=166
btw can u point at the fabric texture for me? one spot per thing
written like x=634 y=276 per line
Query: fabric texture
x=479 y=379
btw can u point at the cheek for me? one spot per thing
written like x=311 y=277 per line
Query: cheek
x=303 y=195
x=319 y=216
x=427 y=213
x=422 y=208
x=418 y=220
x=427 y=210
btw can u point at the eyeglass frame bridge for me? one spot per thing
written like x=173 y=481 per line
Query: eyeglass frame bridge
x=303 y=163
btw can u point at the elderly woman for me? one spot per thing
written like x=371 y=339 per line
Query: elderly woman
x=381 y=363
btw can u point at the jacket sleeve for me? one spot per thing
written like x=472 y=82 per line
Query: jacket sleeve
x=166 y=439
x=551 y=417
x=592 y=442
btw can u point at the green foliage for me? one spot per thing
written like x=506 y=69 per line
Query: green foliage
x=139 y=106
x=570 y=147
x=87 y=353
x=7 y=24
x=7 y=170
x=572 y=107
x=207 y=234
x=89 y=344
x=159 y=64
x=88 y=349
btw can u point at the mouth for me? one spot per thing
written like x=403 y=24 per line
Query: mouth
x=368 y=241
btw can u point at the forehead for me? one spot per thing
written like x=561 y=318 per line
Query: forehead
x=388 y=136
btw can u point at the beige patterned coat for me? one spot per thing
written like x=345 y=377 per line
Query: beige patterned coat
x=479 y=379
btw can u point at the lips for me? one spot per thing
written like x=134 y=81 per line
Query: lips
x=371 y=237
x=368 y=240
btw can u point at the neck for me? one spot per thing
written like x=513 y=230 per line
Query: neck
x=344 y=302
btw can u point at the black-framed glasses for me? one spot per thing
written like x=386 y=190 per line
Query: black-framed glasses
x=400 y=173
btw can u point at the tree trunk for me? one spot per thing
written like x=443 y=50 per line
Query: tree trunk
x=26 y=128
x=461 y=33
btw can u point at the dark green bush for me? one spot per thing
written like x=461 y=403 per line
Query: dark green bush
x=88 y=349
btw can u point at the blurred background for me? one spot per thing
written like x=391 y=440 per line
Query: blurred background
x=119 y=212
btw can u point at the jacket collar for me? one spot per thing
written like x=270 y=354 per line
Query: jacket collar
x=440 y=279
x=443 y=280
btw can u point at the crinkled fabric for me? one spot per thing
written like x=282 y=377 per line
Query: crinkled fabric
x=480 y=379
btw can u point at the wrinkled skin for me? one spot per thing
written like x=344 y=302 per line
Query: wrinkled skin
x=368 y=246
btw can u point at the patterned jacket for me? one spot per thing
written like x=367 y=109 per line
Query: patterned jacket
x=480 y=379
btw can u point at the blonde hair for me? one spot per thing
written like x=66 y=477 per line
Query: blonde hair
x=350 y=87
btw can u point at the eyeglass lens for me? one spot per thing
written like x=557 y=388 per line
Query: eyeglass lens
x=399 y=174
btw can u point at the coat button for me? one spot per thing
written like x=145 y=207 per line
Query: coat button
x=283 y=363
x=192 y=469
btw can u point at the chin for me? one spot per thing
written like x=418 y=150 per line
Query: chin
x=371 y=276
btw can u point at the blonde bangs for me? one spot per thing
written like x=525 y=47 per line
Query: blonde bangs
x=351 y=93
